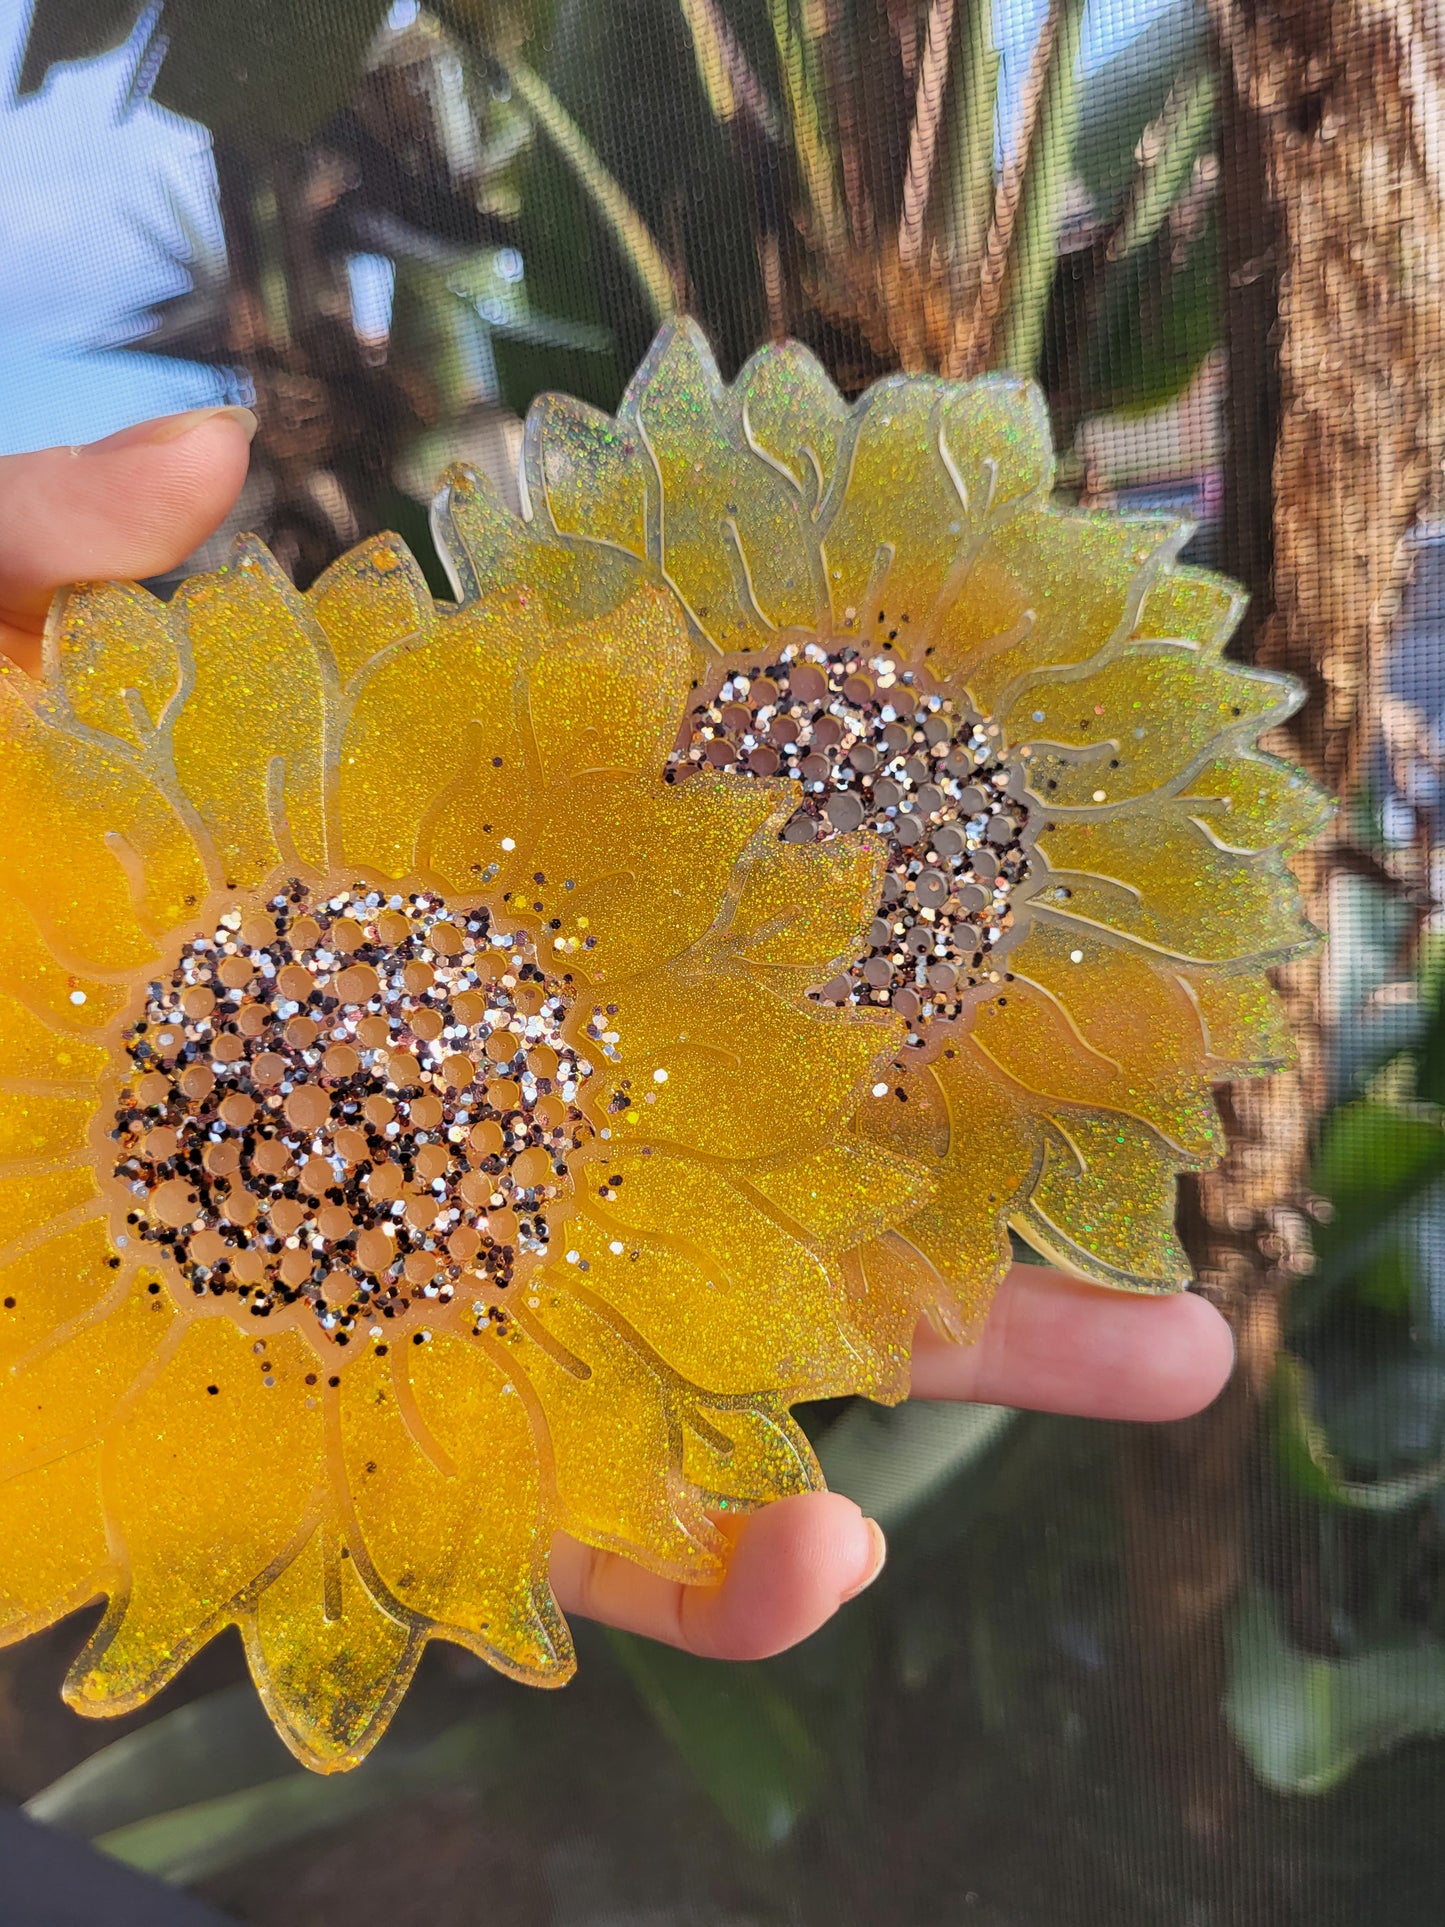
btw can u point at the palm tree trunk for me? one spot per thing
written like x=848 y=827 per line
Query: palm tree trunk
x=1340 y=103
x=1334 y=145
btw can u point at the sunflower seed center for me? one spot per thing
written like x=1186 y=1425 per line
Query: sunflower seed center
x=356 y=1103
x=876 y=751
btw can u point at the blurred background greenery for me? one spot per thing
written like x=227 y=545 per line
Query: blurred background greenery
x=1192 y=1677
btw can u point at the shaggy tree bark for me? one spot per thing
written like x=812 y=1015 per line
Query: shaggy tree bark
x=1338 y=105
x=1334 y=141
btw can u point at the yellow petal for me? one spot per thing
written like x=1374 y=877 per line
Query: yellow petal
x=36 y=1207
x=843 y=1194
x=38 y=1129
x=742 y=1456
x=732 y=537
x=329 y=1661
x=35 y=1053
x=1048 y=590
x=721 y=1289
x=717 y=1037
x=932 y=470
x=209 y=1493
x=131 y=869
x=61 y=1276
x=54 y=1555
x=606 y=695
x=910 y=1114
x=1138 y=723
x=1255 y=802
x=806 y=906
x=1155 y=875
x=1193 y=605
x=986 y=1159
x=374 y=598
x=1243 y=1019
x=637 y=869
x=68 y=1002
x=491 y=555
x=586 y=1384
x=893 y=1286
x=587 y=474
x=65 y=1396
x=105 y=642
x=794 y=416
x=442 y=1467
x=431 y=766
x=1104 y=1204
x=249 y=740
x=1114 y=1028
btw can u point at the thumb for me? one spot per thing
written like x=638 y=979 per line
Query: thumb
x=134 y=504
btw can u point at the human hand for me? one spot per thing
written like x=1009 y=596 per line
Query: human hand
x=136 y=504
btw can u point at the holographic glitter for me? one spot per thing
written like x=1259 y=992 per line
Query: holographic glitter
x=875 y=748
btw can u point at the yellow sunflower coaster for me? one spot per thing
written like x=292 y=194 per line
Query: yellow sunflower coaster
x=1085 y=875
x=416 y=1133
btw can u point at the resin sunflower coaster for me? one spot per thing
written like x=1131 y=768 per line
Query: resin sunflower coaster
x=418 y=1137
x=1085 y=876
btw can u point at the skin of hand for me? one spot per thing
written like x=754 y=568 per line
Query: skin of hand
x=135 y=505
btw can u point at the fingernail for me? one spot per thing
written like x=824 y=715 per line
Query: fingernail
x=877 y=1558
x=170 y=428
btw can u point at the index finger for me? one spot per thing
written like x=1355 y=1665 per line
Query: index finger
x=1053 y=1344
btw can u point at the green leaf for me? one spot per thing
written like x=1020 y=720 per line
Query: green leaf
x=809 y=130
x=971 y=105
x=1304 y=1722
x=263 y=73
x=1374 y=1158
x=1156 y=321
x=627 y=79
x=1430 y=1053
x=603 y=190
x=739 y=1735
x=1186 y=127
x=1125 y=95
x=1309 y=1456
x=212 y=1747
x=1048 y=169
x=1386 y=1279
x=891 y=1461
x=195 y=1842
x=210 y=1785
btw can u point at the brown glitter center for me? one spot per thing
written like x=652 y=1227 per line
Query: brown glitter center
x=355 y=1103
x=874 y=749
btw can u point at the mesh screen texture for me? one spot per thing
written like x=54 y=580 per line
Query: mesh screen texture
x=1113 y=1676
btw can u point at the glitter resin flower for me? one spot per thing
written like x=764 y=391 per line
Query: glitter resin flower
x=1029 y=705
x=417 y=1133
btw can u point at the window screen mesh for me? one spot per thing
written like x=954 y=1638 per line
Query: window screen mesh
x=1152 y=1676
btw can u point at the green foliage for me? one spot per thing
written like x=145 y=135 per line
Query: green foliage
x=737 y=1732
x=1367 y=1429
x=1130 y=92
x=1045 y=181
x=211 y=1786
x=1360 y=1401
x=262 y=73
x=892 y=1460
x=1157 y=319
x=1304 y=1722
x=1374 y=1160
